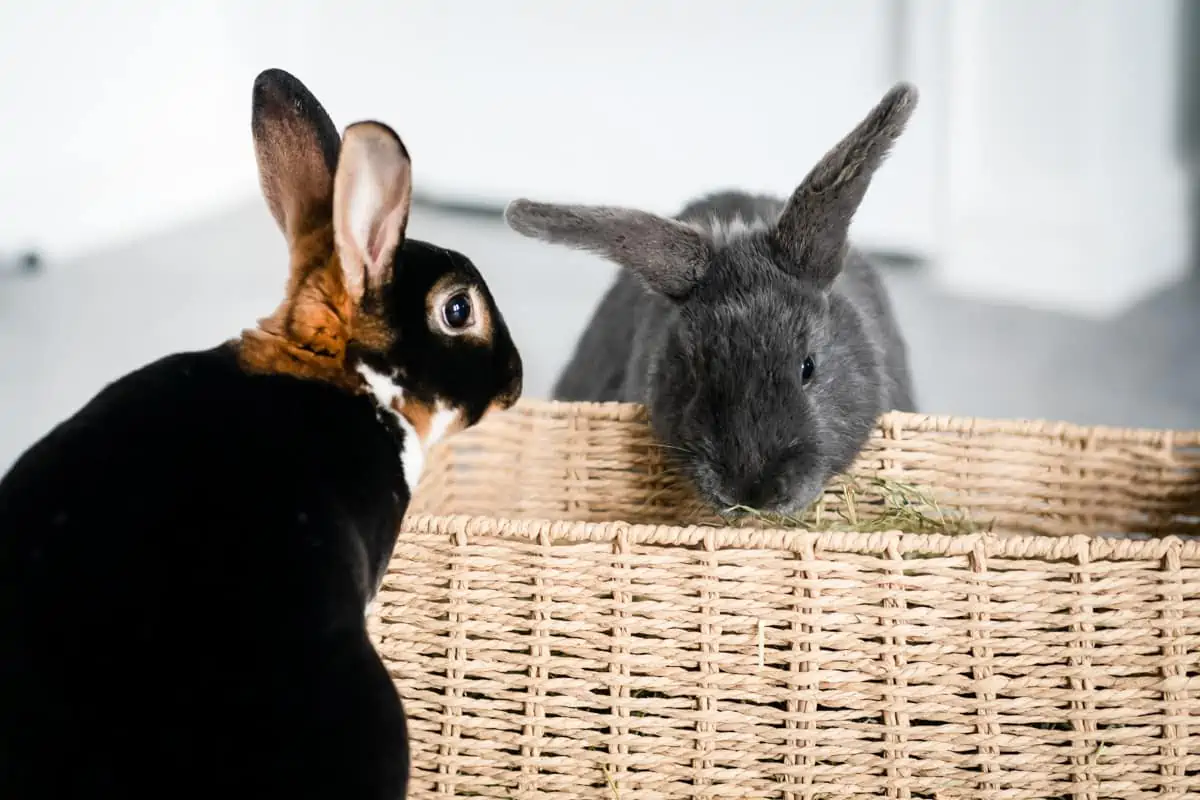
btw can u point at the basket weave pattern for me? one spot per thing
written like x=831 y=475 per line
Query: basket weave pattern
x=559 y=637
x=600 y=462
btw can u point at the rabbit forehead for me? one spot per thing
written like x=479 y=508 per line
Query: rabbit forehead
x=755 y=310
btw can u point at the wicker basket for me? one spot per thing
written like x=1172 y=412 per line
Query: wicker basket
x=565 y=636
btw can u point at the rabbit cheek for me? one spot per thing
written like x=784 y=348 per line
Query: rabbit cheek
x=512 y=375
x=802 y=497
x=802 y=481
x=478 y=346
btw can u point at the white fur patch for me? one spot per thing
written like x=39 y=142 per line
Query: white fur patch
x=443 y=418
x=388 y=395
x=724 y=231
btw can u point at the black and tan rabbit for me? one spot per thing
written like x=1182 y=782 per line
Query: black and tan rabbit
x=185 y=563
x=763 y=345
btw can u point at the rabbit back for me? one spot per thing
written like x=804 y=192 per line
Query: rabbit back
x=861 y=285
x=183 y=570
x=598 y=368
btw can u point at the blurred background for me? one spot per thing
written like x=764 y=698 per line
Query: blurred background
x=1035 y=223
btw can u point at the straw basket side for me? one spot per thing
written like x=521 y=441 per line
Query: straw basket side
x=600 y=462
x=546 y=647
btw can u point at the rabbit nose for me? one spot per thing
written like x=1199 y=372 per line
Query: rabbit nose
x=763 y=492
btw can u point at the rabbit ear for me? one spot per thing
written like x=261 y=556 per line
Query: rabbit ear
x=667 y=255
x=815 y=225
x=296 y=146
x=371 y=200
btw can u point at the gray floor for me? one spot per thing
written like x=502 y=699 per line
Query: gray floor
x=70 y=329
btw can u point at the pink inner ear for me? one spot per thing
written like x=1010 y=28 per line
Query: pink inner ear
x=372 y=195
x=377 y=240
x=386 y=234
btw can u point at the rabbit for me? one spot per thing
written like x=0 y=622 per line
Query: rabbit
x=187 y=561
x=762 y=344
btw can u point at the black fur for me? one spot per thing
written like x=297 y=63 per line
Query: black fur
x=184 y=565
x=712 y=317
x=434 y=366
x=185 y=562
x=277 y=94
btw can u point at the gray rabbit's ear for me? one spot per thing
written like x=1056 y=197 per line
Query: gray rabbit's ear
x=814 y=227
x=667 y=255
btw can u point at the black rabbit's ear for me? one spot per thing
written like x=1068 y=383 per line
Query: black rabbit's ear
x=814 y=228
x=296 y=146
x=667 y=255
x=372 y=198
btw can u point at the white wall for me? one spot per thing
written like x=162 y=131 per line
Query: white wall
x=136 y=114
x=1038 y=169
x=1061 y=183
x=118 y=119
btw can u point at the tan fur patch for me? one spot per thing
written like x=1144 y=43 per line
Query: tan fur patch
x=419 y=414
x=424 y=417
x=309 y=332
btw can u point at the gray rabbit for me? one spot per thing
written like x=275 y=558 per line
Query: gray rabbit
x=763 y=345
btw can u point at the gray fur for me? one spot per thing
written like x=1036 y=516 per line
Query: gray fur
x=713 y=314
x=668 y=256
x=816 y=223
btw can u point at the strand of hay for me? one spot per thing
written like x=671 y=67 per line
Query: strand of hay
x=868 y=505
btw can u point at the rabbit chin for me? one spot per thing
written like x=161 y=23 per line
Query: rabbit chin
x=801 y=497
x=790 y=502
x=782 y=496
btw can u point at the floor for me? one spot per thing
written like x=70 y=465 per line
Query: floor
x=68 y=329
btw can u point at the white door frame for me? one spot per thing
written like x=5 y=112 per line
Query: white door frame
x=1058 y=179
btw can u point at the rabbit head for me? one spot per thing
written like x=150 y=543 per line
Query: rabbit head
x=367 y=308
x=764 y=384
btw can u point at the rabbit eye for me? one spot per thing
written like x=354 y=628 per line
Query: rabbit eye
x=457 y=311
x=806 y=371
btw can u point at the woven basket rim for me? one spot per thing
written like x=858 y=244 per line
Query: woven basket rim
x=900 y=420
x=894 y=543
